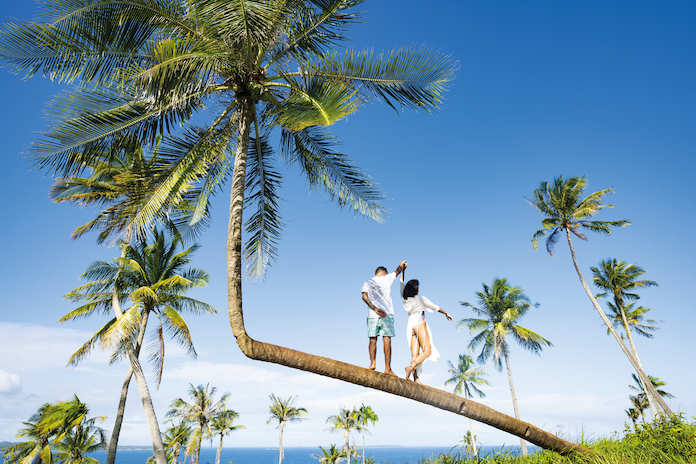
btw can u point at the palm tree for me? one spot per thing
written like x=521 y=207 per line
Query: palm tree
x=501 y=307
x=213 y=79
x=221 y=425
x=175 y=438
x=345 y=421
x=633 y=414
x=283 y=412
x=37 y=448
x=200 y=412
x=465 y=377
x=65 y=426
x=640 y=399
x=564 y=209
x=620 y=279
x=366 y=416
x=331 y=456
x=153 y=276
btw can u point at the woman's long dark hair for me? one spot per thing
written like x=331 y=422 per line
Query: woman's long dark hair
x=410 y=289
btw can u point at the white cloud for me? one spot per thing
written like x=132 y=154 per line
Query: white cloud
x=9 y=383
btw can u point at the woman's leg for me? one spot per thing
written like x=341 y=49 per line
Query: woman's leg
x=421 y=331
x=414 y=353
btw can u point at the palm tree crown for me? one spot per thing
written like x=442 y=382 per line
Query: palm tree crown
x=465 y=377
x=229 y=73
x=501 y=307
x=565 y=210
x=283 y=412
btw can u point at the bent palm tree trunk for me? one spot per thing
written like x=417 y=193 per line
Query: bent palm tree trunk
x=650 y=389
x=336 y=369
x=514 y=400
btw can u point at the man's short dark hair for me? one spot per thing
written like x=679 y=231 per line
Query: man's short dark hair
x=381 y=268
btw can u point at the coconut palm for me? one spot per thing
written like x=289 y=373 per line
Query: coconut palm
x=199 y=412
x=620 y=279
x=221 y=425
x=214 y=78
x=175 y=439
x=37 y=448
x=366 y=416
x=500 y=308
x=565 y=210
x=640 y=399
x=152 y=276
x=284 y=412
x=64 y=426
x=465 y=377
x=331 y=456
x=345 y=421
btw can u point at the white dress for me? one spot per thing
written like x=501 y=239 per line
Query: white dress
x=415 y=307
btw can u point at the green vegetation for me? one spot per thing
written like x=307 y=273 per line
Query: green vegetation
x=283 y=411
x=669 y=439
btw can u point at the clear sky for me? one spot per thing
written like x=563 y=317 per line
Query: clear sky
x=602 y=89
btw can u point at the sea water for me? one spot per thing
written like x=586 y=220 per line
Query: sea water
x=386 y=455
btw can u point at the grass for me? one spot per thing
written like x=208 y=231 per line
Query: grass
x=666 y=440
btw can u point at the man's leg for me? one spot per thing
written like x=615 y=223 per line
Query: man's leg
x=373 y=353
x=387 y=356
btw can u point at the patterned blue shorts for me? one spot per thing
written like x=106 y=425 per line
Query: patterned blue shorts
x=383 y=326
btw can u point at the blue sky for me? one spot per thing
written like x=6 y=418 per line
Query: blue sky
x=602 y=89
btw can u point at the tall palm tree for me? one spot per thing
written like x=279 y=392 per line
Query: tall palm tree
x=366 y=416
x=200 y=412
x=620 y=279
x=221 y=425
x=152 y=276
x=465 y=377
x=565 y=210
x=213 y=78
x=500 y=308
x=284 y=412
x=346 y=421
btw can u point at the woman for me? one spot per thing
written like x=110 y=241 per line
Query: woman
x=418 y=333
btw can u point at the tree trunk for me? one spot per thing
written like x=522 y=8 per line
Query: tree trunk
x=219 y=451
x=514 y=400
x=149 y=409
x=473 y=440
x=281 y=455
x=336 y=369
x=113 y=442
x=651 y=390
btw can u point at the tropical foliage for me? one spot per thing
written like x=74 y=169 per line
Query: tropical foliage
x=64 y=426
x=500 y=308
x=345 y=422
x=331 y=456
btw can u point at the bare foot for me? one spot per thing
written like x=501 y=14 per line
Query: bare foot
x=418 y=381
x=390 y=372
x=372 y=366
x=409 y=370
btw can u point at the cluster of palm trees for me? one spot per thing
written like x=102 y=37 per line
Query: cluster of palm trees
x=61 y=432
x=171 y=100
x=202 y=418
x=355 y=419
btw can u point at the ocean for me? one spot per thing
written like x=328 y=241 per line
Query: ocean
x=386 y=455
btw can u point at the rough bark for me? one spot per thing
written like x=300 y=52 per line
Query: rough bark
x=514 y=400
x=650 y=389
x=336 y=369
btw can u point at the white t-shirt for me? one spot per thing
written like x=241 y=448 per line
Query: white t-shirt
x=378 y=290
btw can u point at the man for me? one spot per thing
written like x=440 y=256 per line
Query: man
x=376 y=293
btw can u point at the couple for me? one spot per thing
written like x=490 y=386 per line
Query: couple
x=376 y=293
